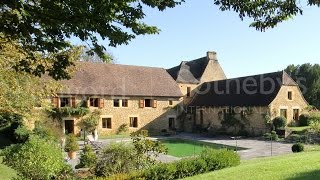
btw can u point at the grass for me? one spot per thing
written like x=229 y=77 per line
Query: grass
x=299 y=129
x=291 y=167
x=6 y=172
x=184 y=148
x=114 y=136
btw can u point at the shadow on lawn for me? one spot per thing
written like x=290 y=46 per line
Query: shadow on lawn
x=315 y=174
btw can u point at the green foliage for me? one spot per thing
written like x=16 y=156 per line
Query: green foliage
x=36 y=27
x=299 y=138
x=279 y=122
x=304 y=120
x=146 y=149
x=9 y=122
x=90 y=122
x=36 y=159
x=71 y=143
x=123 y=128
x=271 y=136
x=116 y=158
x=48 y=130
x=88 y=158
x=22 y=134
x=59 y=113
x=298 y=147
x=308 y=78
x=209 y=160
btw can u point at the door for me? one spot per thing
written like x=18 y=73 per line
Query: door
x=172 y=123
x=69 y=126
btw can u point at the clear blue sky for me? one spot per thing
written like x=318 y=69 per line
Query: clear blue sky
x=197 y=26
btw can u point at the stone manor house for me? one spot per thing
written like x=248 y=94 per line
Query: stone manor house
x=193 y=95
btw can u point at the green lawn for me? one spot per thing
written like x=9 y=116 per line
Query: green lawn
x=183 y=147
x=291 y=167
x=299 y=129
x=6 y=172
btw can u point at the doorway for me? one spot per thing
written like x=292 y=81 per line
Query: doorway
x=172 y=125
x=69 y=126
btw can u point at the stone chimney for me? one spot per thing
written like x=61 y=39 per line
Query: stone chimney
x=211 y=55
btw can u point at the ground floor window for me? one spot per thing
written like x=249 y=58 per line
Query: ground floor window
x=296 y=114
x=106 y=123
x=133 y=122
x=283 y=113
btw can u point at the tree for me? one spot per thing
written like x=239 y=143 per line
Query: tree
x=45 y=26
x=265 y=13
x=308 y=78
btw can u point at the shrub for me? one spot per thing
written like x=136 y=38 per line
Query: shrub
x=48 y=130
x=279 y=122
x=273 y=135
x=161 y=171
x=298 y=147
x=22 y=134
x=190 y=167
x=71 y=143
x=304 y=120
x=219 y=159
x=299 y=138
x=36 y=159
x=123 y=128
x=88 y=158
x=116 y=158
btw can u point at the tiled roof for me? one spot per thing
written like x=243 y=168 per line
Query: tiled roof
x=121 y=80
x=257 y=90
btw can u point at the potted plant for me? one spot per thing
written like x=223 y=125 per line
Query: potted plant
x=71 y=146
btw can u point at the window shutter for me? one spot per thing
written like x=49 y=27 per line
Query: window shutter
x=101 y=103
x=55 y=102
x=154 y=105
x=141 y=103
x=73 y=101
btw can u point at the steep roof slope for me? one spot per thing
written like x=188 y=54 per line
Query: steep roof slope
x=257 y=90
x=121 y=80
x=189 y=71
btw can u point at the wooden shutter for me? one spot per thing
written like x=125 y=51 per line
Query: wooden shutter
x=141 y=103
x=55 y=102
x=101 y=103
x=154 y=103
x=73 y=101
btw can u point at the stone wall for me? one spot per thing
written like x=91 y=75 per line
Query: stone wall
x=282 y=102
x=213 y=72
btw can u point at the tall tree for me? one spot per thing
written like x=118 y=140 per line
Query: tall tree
x=308 y=78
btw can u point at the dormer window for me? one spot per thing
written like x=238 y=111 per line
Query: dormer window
x=290 y=95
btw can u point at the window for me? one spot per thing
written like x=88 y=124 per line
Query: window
x=133 y=122
x=116 y=103
x=290 y=95
x=296 y=114
x=283 y=113
x=106 y=123
x=64 y=102
x=170 y=102
x=124 y=102
x=188 y=91
x=148 y=102
x=94 y=102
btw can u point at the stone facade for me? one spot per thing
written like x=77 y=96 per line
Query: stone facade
x=152 y=118
x=283 y=102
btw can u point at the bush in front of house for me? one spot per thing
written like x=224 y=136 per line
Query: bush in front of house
x=271 y=136
x=71 y=143
x=88 y=158
x=219 y=159
x=37 y=158
x=304 y=120
x=279 y=122
x=22 y=134
x=298 y=147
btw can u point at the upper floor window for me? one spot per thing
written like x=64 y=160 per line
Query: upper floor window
x=188 y=91
x=170 y=102
x=65 y=102
x=124 y=102
x=116 y=103
x=290 y=95
x=148 y=103
x=94 y=102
